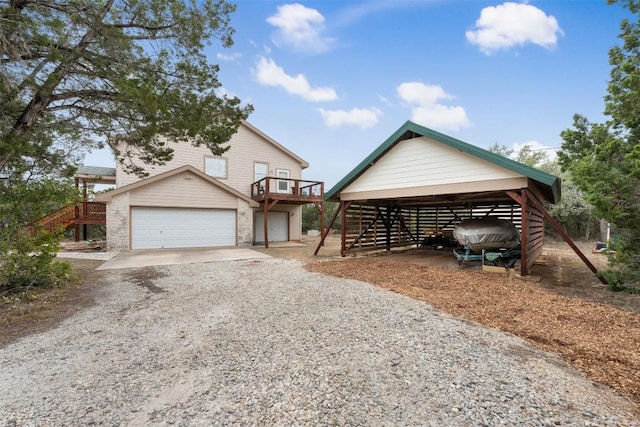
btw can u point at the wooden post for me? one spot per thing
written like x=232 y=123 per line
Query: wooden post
x=524 y=232
x=266 y=222
x=326 y=232
x=322 y=222
x=76 y=229
x=343 y=228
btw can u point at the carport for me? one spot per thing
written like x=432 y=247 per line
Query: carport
x=420 y=182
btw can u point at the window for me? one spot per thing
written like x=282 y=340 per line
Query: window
x=260 y=171
x=215 y=167
x=283 y=184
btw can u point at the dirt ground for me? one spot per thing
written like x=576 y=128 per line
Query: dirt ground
x=38 y=310
x=564 y=309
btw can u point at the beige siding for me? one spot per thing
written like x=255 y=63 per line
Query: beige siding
x=184 y=190
x=246 y=148
x=421 y=162
x=466 y=187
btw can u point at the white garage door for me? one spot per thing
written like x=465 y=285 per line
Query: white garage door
x=155 y=228
x=278 y=228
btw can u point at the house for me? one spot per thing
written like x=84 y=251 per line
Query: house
x=419 y=182
x=251 y=194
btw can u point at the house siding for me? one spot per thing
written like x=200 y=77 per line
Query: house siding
x=420 y=162
x=246 y=148
x=184 y=190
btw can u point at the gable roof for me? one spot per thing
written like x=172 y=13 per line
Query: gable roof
x=106 y=197
x=273 y=142
x=549 y=184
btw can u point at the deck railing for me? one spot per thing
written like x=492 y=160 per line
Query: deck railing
x=93 y=212
x=287 y=188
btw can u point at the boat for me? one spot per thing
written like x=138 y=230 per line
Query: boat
x=487 y=234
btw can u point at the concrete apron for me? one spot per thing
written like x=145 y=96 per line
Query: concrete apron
x=144 y=258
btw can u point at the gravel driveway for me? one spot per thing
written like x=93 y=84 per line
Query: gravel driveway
x=263 y=342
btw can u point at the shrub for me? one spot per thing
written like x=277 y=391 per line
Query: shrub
x=29 y=261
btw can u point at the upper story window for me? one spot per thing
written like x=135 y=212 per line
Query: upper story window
x=215 y=167
x=260 y=171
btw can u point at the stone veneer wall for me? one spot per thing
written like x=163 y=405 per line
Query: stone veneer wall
x=118 y=222
x=244 y=224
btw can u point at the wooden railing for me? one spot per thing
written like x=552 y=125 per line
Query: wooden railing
x=287 y=189
x=62 y=217
x=83 y=212
x=91 y=210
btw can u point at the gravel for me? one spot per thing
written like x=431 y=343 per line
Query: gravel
x=263 y=342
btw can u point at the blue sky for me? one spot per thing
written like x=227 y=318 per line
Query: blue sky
x=331 y=79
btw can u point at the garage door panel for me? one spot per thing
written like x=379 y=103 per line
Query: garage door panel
x=278 y=226
x=154 y=228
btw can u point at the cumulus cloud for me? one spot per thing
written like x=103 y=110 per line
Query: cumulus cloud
x=228 y=57
x=361 y=117
x=300 y=28
x=428 y=111
x=268 y=73
x=513 y=24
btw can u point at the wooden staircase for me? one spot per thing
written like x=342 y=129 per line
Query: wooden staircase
x=76 y=214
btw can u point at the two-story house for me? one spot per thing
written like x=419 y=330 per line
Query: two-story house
x=201 y=200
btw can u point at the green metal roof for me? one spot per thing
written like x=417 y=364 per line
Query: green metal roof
x=548 y=182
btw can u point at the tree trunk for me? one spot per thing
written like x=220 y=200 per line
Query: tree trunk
x=43 y=97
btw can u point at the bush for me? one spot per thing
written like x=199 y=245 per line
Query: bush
x=30 y=261
x=27 y=255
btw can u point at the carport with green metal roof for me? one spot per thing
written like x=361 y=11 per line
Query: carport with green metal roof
x=419 y=182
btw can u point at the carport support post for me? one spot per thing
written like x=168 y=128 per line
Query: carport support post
x=524 y=232
x=343 y=228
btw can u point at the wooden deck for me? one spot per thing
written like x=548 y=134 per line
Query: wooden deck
x=270 y=191
x=287 y=190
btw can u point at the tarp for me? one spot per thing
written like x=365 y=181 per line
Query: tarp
x=486 y=233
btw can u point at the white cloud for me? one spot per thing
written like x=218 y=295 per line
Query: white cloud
x=426 y=109
x=362 y=117
x=270 y=74
x=300 y=28
x=228 y=57
x=513 y=24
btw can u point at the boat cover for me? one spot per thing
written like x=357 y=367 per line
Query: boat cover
x=486 y=233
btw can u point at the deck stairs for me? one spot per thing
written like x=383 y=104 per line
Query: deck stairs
x=71 y=215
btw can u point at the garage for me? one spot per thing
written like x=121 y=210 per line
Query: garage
x=277 y=228
x=156 y=228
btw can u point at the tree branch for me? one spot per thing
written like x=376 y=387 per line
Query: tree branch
x=87 y=93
